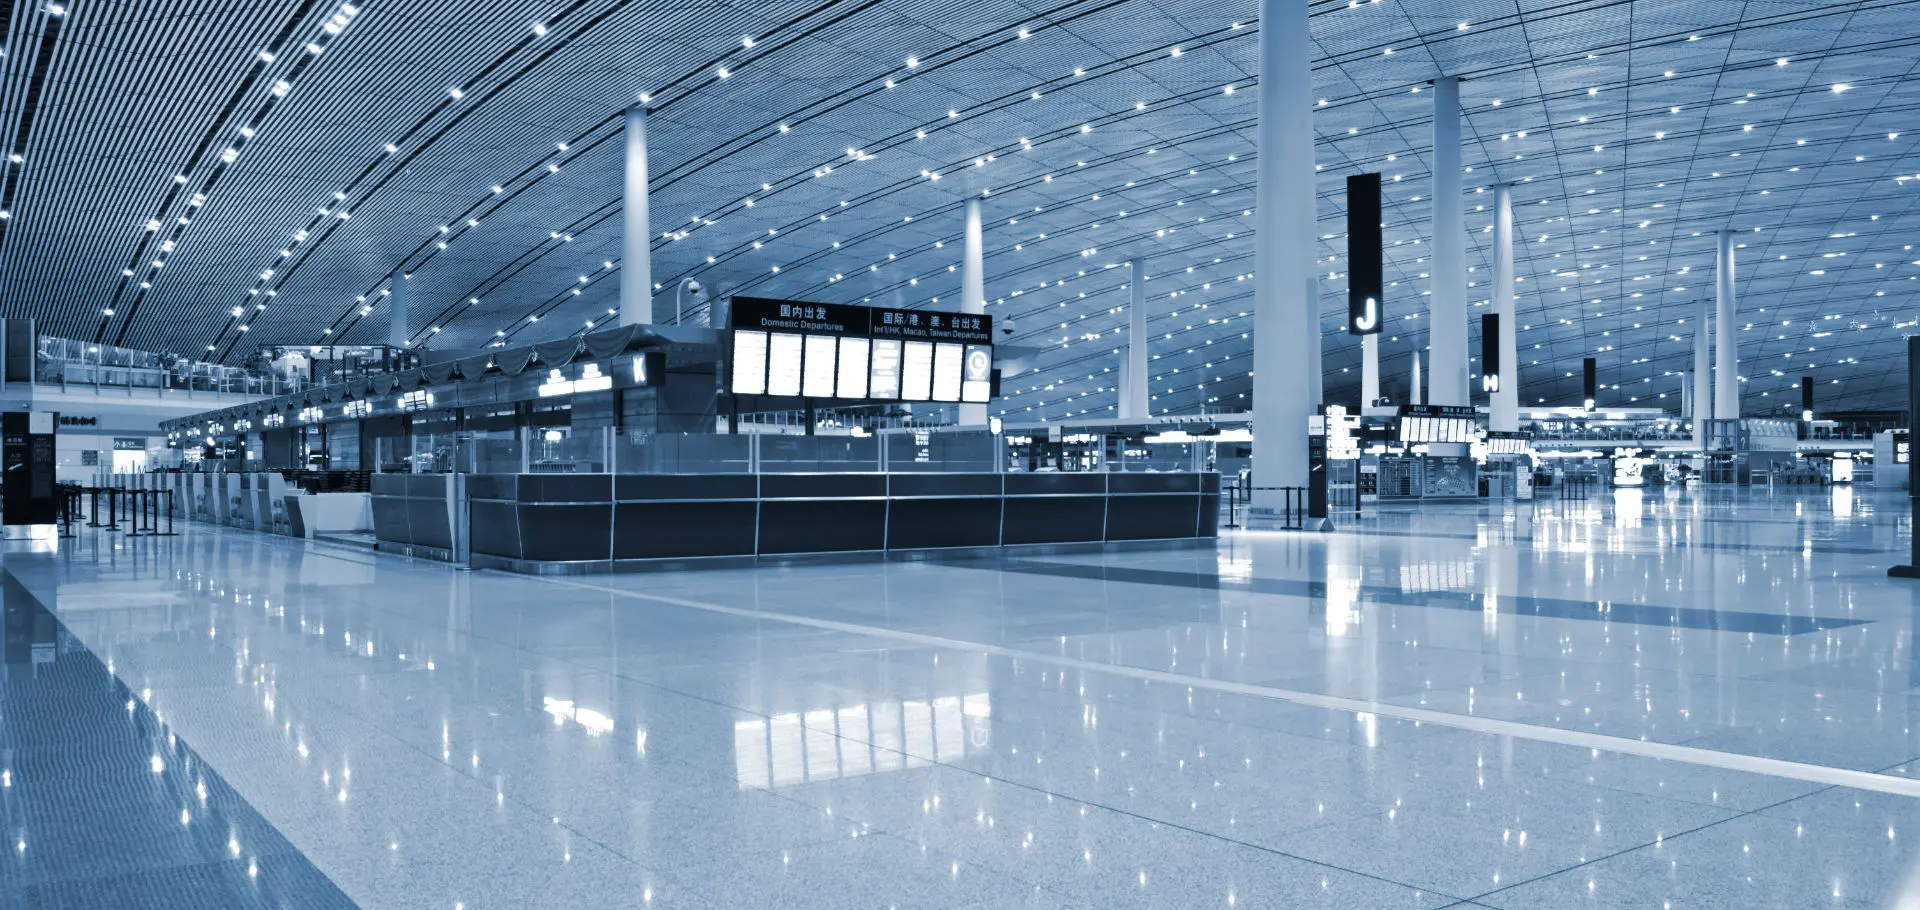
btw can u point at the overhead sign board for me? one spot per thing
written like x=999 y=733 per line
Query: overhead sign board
x=848 y=352
x=1437 y=423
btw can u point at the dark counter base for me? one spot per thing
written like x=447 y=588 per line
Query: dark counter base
x=548 y=524
x=612 y=566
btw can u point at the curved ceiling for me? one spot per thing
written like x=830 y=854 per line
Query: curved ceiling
x=207 y=177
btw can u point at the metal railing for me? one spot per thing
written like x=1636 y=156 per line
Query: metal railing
x=78 y=365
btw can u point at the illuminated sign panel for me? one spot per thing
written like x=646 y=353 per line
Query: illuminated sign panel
x=859 y=353
x=1421 y=424
x=591 y=380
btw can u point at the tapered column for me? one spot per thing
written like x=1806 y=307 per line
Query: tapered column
x=1447 y=328
x=1369 y=369
x=1133 y=370
x=1503 y=410
x=397 y=315
x=1702 y=374
x=636 y=260
x=1726 y=382
x=973 y=290
x=1283 y=323
x=1415 y=394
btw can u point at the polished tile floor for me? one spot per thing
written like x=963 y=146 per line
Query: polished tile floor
x=1653 y=699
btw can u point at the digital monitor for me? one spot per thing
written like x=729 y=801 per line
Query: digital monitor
x=783 y=364
x=976 y=373
x=853 y=368
x=916 y=371
x=886 y=369
x=819 y=374
x=946 y=372
x=749 y=363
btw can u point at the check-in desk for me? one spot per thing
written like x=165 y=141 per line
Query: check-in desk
x=571 y=523
x=414 y=514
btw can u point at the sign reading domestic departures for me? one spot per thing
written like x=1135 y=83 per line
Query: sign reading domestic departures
x=843 y=351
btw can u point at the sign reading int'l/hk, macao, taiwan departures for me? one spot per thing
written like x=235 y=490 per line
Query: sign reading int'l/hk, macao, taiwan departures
x=843 y=351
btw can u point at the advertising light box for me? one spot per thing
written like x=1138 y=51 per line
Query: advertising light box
x=846 y=352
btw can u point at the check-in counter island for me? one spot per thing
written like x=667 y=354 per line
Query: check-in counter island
x=589 y=523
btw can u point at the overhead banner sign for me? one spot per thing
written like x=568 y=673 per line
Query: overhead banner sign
x=848 y=352
x=1365 y=272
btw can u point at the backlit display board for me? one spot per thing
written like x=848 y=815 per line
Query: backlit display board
x=846 y=352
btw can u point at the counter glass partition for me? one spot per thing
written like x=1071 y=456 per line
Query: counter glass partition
x=568 y=450
x=783 y=454
x=638 y=451
x=910 y=451
x=494 y=452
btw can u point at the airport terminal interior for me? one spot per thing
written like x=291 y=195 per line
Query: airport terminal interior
x=1014 y=454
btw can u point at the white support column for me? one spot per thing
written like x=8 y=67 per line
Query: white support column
x=1316 y=370
x=1415 y=395
x=636 y=258
x=1369 y=369
x=397 y=314
x=1447 y=322
x=973 y=290
x=1702 y=374
x=1284 y=246
x=1133 y=370
x=1504 y=408
x=1726 y=381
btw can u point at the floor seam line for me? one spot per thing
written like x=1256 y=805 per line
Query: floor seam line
x=1808 y=773
x=1656 y=843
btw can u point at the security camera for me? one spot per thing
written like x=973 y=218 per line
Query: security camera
x=1007 y=328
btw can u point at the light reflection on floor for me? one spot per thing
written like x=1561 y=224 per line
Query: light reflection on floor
x=1081 y=730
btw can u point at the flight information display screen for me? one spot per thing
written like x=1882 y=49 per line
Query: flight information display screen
x=749 y=363
x=916 y=371
x=818 y=368
x=783 y=363
x=886 y=369
x=1422 y=424
x=946 y=372
x=853 y=368
x=859 y=353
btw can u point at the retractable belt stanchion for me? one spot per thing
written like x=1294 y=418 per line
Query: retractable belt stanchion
x=93 y=507
x=69 y=506
x=136 y=506
x=169 y=532
x=1293 y=514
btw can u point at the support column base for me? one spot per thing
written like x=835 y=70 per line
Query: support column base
x=1904 y=572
